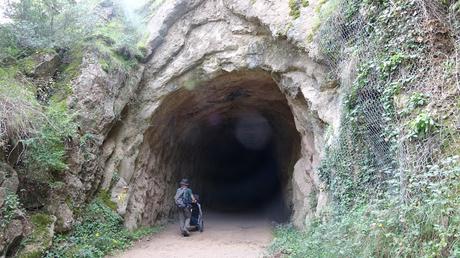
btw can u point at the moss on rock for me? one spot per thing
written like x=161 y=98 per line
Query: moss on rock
x=105 y=197
x=295 y=9
x=41 y=237
x=44 y=62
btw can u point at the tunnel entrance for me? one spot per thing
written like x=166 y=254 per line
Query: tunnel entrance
x=240 y=170
x=235 y=138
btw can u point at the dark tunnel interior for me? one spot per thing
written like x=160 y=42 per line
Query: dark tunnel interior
x=242 y=171
x=235 y=139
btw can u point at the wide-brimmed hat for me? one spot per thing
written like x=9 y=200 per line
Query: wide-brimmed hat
x=184 y=181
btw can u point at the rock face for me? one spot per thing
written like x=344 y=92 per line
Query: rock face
x=208 y=46
x=42 y=64
x=41 y=237
x=206 y=60
x=100 y=98
x=14 y=225
x=63 y=214
x=8 y=180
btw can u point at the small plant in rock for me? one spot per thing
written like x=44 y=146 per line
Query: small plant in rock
x=9 y=209
x=417 y=99
x=295 y=6
x=421 y=126
x=295 y=9
x=38 y=238
x=390 y=64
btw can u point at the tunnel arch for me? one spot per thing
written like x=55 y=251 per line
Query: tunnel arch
x=235 y=137
x=197 y=45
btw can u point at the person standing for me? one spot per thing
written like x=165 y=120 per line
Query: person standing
x=184 y=198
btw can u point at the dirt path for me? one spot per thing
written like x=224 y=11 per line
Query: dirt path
x=224 y=236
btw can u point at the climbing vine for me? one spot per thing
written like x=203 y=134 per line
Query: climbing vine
x=392 y=171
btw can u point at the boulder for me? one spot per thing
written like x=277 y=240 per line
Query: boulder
x=8 y=178
x=64 y=216
x=13 y=224
x=11 y=237
x=40 y=238
x=41 y=64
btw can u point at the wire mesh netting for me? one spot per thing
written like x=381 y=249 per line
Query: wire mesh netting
x=400 y=113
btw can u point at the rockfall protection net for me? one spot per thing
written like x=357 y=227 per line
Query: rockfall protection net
x=399 y=63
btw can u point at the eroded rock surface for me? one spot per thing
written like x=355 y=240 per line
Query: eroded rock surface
x=209 y=66
x=137 y=120
x=40 y=238
x=192 y=44
x=42 y=64
x=14 y=225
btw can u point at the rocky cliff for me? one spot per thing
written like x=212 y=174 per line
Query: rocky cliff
x=210 y=63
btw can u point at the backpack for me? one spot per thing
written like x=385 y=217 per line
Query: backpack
x=180 y=198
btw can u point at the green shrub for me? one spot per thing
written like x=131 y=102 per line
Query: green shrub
x=8 y=45
x=20 y=112
x=10 y=207
x=47 y=23
x=294 y=9
x=119 y=41
x=99 y=232
x=417 y=99
x=122 y=36
x=46 y=150
x=43 y=129
x=427 y=225
x=421 y=126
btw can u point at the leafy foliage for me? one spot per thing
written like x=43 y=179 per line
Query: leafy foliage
x=9 y=208
x=295 y=6
x=417 y=99
x=99 y=232
x=421 y=126
x=36 y=115
x=426 y=226
x=393 y=193
x=47 y=23
x=46 y=150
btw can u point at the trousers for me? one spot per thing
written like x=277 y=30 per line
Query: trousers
x=184 y=219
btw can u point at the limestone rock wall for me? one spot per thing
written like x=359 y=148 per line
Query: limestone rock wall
x=193 y=43
x=14 y=225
